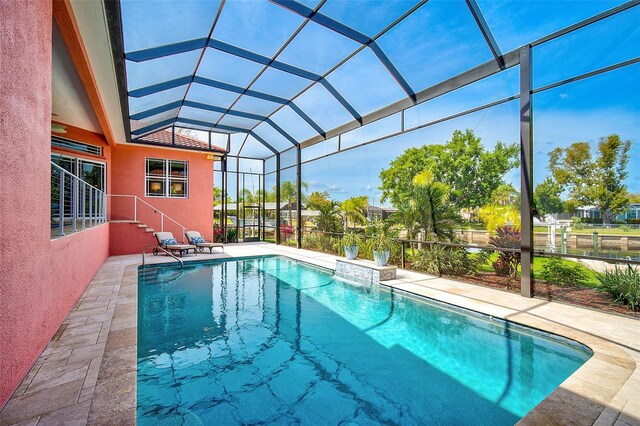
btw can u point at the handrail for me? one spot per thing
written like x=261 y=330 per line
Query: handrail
x=536 y=252
x=471 y=246
x=82 y=197
x=431 y=242
x=156 y=210
x=166 y=251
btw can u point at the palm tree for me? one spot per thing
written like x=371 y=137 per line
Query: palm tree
x=406 y=217
x=289 y=192
x=355 y=208
x=436 y=216
x=247 y=197
x=328 y=219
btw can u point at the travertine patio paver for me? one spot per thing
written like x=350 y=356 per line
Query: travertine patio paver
x=87 y=373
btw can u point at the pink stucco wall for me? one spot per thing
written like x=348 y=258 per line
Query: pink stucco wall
x=194 y=212
x=40 y=279
x=127 y=238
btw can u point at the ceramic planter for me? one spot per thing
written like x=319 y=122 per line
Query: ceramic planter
x=381 y=257
x=351 y=252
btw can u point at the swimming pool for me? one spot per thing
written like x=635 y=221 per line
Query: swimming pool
x=271 y=340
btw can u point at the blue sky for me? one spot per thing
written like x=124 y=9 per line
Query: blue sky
x=577 y=112
x=438 y=41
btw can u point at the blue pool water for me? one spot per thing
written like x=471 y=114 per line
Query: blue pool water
x=273 y=341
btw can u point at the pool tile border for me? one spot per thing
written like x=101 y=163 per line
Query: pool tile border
x=88 y=370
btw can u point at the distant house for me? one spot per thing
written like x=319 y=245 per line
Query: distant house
x=379 y=213
x=592 y=212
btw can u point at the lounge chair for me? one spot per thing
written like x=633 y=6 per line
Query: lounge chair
x=164 y=241
x=195 y=238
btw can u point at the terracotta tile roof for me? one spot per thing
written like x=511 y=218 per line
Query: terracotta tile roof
x=164 y=137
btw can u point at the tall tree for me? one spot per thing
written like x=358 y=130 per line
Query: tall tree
x=316 y=199
x=270 y=196
x=572 y=169
x=470 y=171
x=547 y=198
x=247 y=197
x=505 y=195
x=599 y=181
x=289 y=192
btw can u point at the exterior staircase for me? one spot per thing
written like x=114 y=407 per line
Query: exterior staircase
x=134 y=222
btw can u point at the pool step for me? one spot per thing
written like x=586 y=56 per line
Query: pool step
x=141 y=225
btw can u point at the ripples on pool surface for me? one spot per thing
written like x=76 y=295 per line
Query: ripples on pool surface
x=270 y=340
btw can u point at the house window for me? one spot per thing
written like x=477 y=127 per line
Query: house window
x=92 y=172
x=75 y=146
x=166 y=178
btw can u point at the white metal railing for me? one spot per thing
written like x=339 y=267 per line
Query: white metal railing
x=167 y=252
x=75 y=204
x=136 y=214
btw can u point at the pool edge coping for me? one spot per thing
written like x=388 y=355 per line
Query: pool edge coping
x=578 y=400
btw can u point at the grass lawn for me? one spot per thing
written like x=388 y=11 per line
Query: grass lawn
x=589 y=231
x=591 y=279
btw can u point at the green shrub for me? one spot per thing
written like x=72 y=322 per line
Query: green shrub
x=440 y=260
x=482 y=258
x=578 y=224
x=562 y=272
x=351 y=239
x=592 y=220
x=508 y=262
x=625 y=228
x=320 y=242
x=633 y=221
x=503 y=268
x=623 y=285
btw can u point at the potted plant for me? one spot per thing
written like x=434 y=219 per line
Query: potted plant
x=382 y=240
x=350 y=241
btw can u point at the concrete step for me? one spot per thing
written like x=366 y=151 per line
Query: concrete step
x=142 y=225
x=134 y=221
x=149 y=230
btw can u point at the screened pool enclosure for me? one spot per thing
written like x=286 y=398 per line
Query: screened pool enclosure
x=319 y=98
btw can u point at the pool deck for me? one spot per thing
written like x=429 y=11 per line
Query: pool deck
x=87 y=372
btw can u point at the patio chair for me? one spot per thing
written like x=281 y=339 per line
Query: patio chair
x=195 y=238
x=168 y=242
